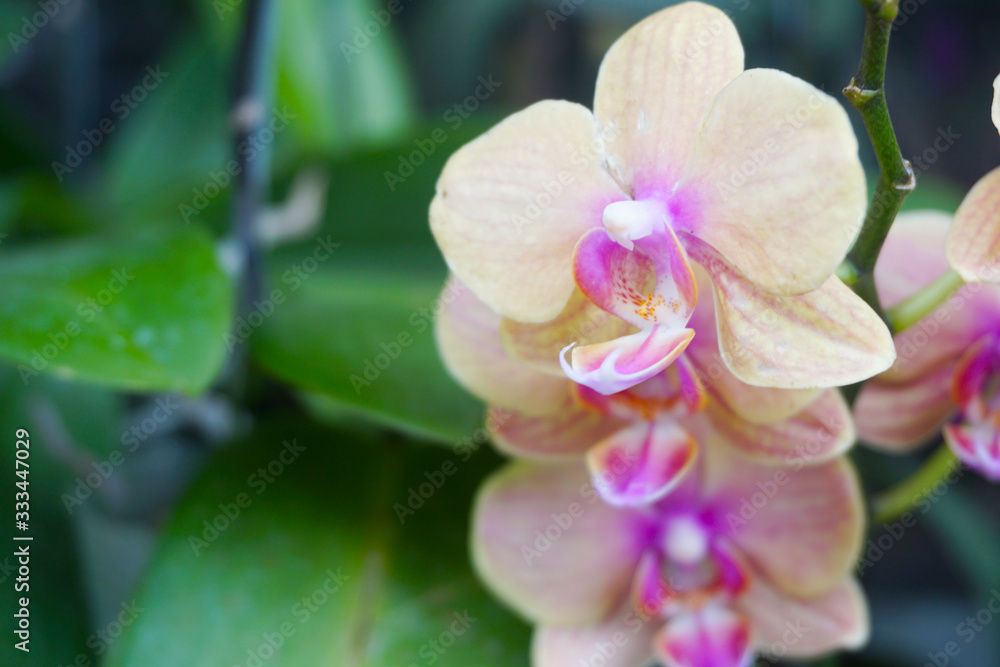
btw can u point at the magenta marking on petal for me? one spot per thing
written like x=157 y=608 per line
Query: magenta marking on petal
x=650 y=592
x=653 y=284
x=977 y=447
x=617 y=365
x=641 y=463
x=711 y=636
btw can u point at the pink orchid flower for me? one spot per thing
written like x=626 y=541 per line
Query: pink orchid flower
x=743 y=558
x=637 y=443
x=947 y=370
x=686 y=158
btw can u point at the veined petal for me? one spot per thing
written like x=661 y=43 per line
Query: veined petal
x=898 y=416
x=911 y=259
x=511 y=205
x=539 y=344
x=628 y=633
x=820 y=432
x=640 y=464
x=712 y=636
x=974 y=239
x=654 y=87
x=653 y=284
x=468 y=339
x=779 y=189
x=800 y=527
x=911 y=256
x=825 y=338
x=806 y=627
x=545 y=544
x=757 y=405
x=625 y=362
x=568 y=431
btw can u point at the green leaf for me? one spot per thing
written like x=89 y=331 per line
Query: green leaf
x=147 y=313
x=165 y=150
x=58 y=613
x=341 y=100
x=315 y=568
x=365 y=342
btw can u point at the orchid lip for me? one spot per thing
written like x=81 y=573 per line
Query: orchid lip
x=629 y=220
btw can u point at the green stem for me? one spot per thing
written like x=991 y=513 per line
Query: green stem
x=915 y=308
x=866 y=93
x=900 y=498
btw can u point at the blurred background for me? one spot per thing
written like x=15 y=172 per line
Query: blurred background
x=216 y=321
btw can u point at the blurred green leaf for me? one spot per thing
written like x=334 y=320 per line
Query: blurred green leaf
x=315 y=568
x=59 y=624
x=342 y=99
x=365 y=342
x=166 y=148
x=147 y=312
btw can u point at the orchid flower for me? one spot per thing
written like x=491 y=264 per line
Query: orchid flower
x=685 y=159
x=637 y=443
x=947 y=372
x=743 y=558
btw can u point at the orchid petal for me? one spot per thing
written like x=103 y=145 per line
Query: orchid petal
x=977 y=446
x=820 y=432
x=775 y=182
x=580 y=321
x=800 y=527
x=641 y=463
x=566 y=432
x=825 y=338
x=651 y=285
x=469 y=343
x=674 y=393
x=547 y=546
x=911 y=256
x=996 y=103
x=898 y=416
x=792 y=627
x=757 y=405
x=974 y=239
x=628 y=633
x=911 y=259
x=654 y=87
x=625 y=362
x=712 y=636
x=511 y=205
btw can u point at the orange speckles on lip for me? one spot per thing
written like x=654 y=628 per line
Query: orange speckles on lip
x=647 y=307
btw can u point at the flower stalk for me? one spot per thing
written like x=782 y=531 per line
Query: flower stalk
x=866 y=93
